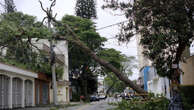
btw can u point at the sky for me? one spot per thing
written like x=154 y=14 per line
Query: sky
x=105 y=18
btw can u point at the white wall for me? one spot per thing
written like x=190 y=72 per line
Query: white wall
x=61 y=48
x=142 y=60
x=156 y=84
x=23 y=77
x=159 y=86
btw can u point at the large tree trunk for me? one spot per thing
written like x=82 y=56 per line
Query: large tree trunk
x=84 y=81
x=74 y=39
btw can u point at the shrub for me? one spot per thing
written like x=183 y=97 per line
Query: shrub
x=187 y=96
x=150 y=103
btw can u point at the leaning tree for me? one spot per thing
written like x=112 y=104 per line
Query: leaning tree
x=79 y=61
x=86 y=9
x=72 y=37
x=121 y=62
x=166 y=28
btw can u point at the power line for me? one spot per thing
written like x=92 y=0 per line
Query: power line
x=112 y=25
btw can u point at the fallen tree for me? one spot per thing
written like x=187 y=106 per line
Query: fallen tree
x=72 y=37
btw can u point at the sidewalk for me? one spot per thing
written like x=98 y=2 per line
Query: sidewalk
x=50 y=107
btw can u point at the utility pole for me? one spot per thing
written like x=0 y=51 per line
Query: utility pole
x=49 y=16
x=52 y=57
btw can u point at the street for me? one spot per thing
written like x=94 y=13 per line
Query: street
x=101 y=105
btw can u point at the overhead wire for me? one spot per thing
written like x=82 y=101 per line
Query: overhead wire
x=111 y=25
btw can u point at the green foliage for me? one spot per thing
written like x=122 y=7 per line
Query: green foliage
x=41 y=67
x=115 y=58
x=85 y=29
x=14 y=25
x=75 y=97
x=17 y=34
x=86 y=9
x=15 y=63
x=187 y=97
x=166 y=29
x=115 y=84
x=79 y=61
x=151 y=103
x=122 y=62
x=128 y=65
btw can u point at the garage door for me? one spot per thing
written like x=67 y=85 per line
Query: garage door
x=28 y=93
x=17 y=92
x=4 y=86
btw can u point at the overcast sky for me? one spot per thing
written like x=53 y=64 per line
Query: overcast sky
x=105 y=18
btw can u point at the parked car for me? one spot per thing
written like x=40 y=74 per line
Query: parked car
x=94 y=98
x=127 y=96
x=102 y=97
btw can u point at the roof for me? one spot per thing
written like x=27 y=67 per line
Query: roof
x=13 y=69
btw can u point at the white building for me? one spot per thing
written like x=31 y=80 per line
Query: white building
x=152 y=82
x=61 y=51
x=101 y=85
x=16 y=87
x=141 y=58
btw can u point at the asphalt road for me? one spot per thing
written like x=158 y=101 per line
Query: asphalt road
x=101 y=105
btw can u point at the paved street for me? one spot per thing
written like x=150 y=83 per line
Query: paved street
x=99 y=105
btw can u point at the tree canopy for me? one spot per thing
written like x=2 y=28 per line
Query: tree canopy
x=120 y=61
x=80 y=63
x=86 y=9
x=17 y=31
x=86 y=31
x=166 y=29
x=72 y=37
x=9 y=6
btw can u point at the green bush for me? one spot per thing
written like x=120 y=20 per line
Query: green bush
x=187 y=96
x=188 y=91
x=75 y=97
x=150 y=103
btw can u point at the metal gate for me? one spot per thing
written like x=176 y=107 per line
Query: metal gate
x=17 y=92
x=4 y=90
x=45 y=93
x=37 y=94
x=28 y=93
x=42 y=92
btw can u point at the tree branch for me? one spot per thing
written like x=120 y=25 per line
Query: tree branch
x=52 y=5
x=29 y=41
x=42 y=6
